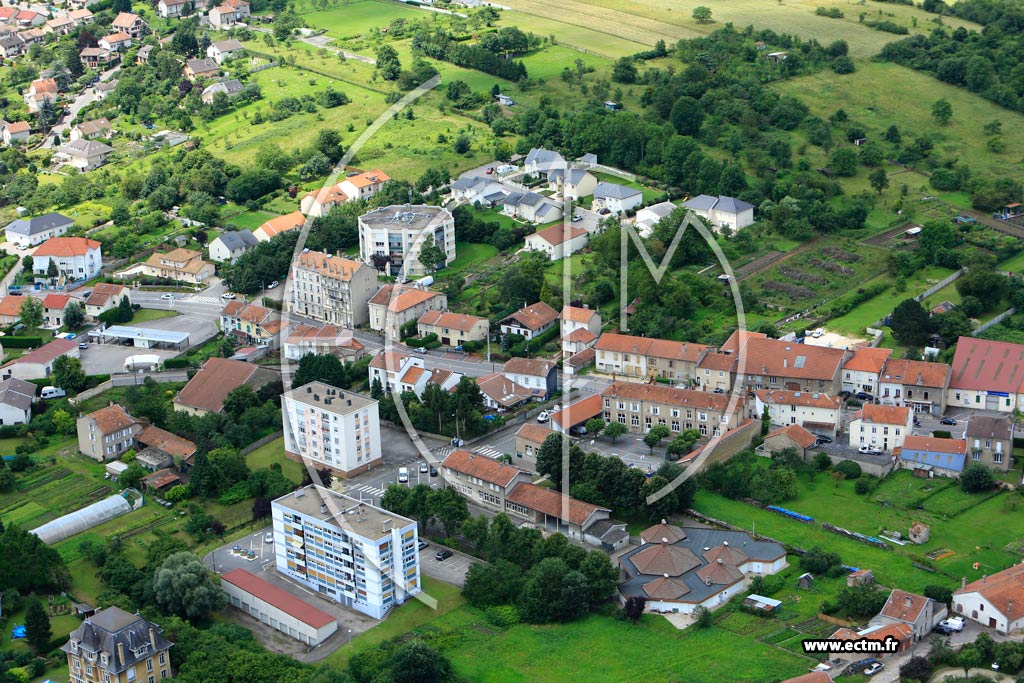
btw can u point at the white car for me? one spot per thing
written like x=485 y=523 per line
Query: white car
x=273 y=284
x=873 y=669
x=167 y=297
x=227 y=295
x=543 y=416
x=952 y=624
x=869 y=450
x=268 y=537
x=403 y=475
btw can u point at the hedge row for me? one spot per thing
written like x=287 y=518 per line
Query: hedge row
x=21 y=342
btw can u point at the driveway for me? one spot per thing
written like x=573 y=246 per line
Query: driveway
x=87 y=97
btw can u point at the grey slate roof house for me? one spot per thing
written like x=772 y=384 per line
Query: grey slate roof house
x=540 y=161
x=28 y=232
x=228 y=246
x=16 y=397
x=616 y=198
x=722 y=211
x=120 y=645
x=230 y=87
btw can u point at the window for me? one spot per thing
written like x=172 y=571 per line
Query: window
x=634 y=420
x=975 y=455
x=997 y=457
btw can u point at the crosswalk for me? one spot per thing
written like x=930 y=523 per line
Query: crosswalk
x=365 y=489
x=442 y=452
x=202 y=300
x=489 y=451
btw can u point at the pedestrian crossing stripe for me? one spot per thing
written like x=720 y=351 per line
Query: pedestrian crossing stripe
x=201 y=300
x=489 y=451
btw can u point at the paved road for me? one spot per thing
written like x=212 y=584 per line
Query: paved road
x=87 y=97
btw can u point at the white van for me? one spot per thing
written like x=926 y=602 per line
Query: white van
x=52 y=392
x=403 y=475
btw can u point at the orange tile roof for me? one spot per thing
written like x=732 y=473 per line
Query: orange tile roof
x=161 y=478
x=124 y=20
x=557 y=234
x=551 y=503
x=335 y=267
x=580 y=411
x=665 y=559
x=165 y=441
x=47 y=352
x=660 y=393
x=18 y=126
x=720 y=574
x=481 y=467
x=578 y=315
x=718 y=361
x=648 y=346
x=502 y=390
x=537 y=433
x=535 y=316
x=887 y=415
x=669 y=533
x=368 y=178
x=66 y=246
x=412 y=375
x=112 y=418
x=398 y=298
x=102 y=292
x=289 y=221
x=528 y=366
x=580 y=334
x=118 y=37
x=913 y=442
x=904 y=606
x=388 y=360
x=666 y=588
x=916 y=372
x=329 y=195
x=455 y=321
x=775 y=358
x=44 y=85
x=1004 y=591
x=797 y=433
x=215 y=380
x=868 y=359
x=334 y=333
x=982 y=364
x=10 y=305
x=56 y=301
x=799 y=398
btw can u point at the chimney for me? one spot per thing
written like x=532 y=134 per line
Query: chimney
x=152 y=638
x=719 y=561
x=323 y=508
x=963 y=582
x=785 y=362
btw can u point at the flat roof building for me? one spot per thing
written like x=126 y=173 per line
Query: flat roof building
x=332 y=427
x=277 y=607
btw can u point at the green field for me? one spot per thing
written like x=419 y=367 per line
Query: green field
x=250 y=220
x=271 y=453
x=882 y=305
x=468 y=255
x=359 y=17
x=147 y=314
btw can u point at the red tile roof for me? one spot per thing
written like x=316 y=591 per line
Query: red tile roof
x=718 y=361
x=398 y=298
x=277 y=597
x=454 y=321
x=289 y=221
x=665 y=559
x=661 y=393
x=557 y=234
x=112 y=418
x=886 y=415
x=799 y=398
x=1004 y=591
x=481 y=467
x=56 y=301
x=868 y=359
x=388 y=360
x=535 y=316
x=161 y=479
x=812 y=677
x=647 y=346
x=665 y=588
x=537 y=367
x=916 y=372
x=797 y=433
x=904 y=606
x=580 y=411
x=537 y=433
x=551 y=503
x=663 y=532
x=981 y=364
x=335 y=267
x=10 y=305
x=578 y=315
x=912 y=442
x=47 y=352
x=165 y=441
x=215 y=380
x=776 y=358
x=502 y=390
x=66 y=246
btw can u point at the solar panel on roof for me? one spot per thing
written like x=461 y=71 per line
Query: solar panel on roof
x=800 y=361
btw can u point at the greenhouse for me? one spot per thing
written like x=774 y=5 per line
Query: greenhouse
x=82 y=520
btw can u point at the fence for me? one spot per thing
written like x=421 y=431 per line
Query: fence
x=835 y=620
x=260 y=443
x=994 y=321
x=952 y=277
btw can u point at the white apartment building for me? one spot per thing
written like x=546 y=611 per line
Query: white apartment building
x=332 y=289
x=333 y=428
x=399 y=232
x=355 y=553
x=815 y=412
x=77 y=259
x=883 y=427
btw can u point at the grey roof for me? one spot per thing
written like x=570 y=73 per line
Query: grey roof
x=145 y=50
x=732 y=205
x=988 y=427
x=573 y=175
x=496 y=196
x=514 y=198
x=702 y=202
x=239 y=239
x=107 y=85
x=18 y=393
x=228 y=87
x=202 y=65
x=548 y=208
x=146 y=333
x=614 y=191
x=468 y=182
x=11 y=41
x=229 y=45
x=38 y=224
x=86 y=148
x=697 y=539
x=588 y=158
x=542 y=156
x=661 y=210
x=104 y=631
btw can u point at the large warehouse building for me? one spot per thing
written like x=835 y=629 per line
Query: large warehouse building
x=277 y=607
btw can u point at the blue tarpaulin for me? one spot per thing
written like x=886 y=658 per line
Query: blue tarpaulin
x=19 y=632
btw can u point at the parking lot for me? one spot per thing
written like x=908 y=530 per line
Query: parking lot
x=452 y=570
x=106 y=359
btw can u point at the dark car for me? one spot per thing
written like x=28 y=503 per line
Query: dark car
x=824 y=439
x=864 y=396
x=442 y=555
x=433 y=471
x=947 y=421
x=844 y=394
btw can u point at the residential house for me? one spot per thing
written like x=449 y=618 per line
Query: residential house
x=107 y=433
x=995 y=601
x=98 y=58
x=577 y=413
x=616 y=198
x=883 y=427
x=10 y=309
x=241 y=8
x=641 y=406
x=142 y=56
x=90 y=130
x=764 y=363
x=320 y=202
x=85 y=155
x=38 y=364
x=722 y=211
x=16 y=398
x=53 y=309
x=29 y=232
x=678 y=570
x=580 y=328
x=363 y=185
x=228 y=246
x=195 y=69
x=113 y=645
x=231 y=87
x=40 y=90
x=539 y=162
x=391 y=237
x=31 y=36
x=332 y=289
x=132 y=24
x=921 y=614
x=987 y=375
x=223 y=16
x=60 y=26
x=990 y=440
x=206 y=391
x=14 y=131
x=306 y=339
x=171 y=9
x=115 y=42
x=555 y=512
x=557 y=241
x=572 y=183
x=531 y=321
x=275 y=226
x=180 y=265
x=471 y=189
x=919 y=385
x=81 y=16
x=791 y=436
x=862 y=370
x=645 y=358
x=531 y=207
x=649 y=216
x=26 y=18
x=716 y=372
x=11 y=46
x=77 y=259
x=331 y=427
x=223 y=50
x=104 y=297
x=529 y=438
x=538 y=376
x=395 y=306
x=251 y=324
x=397 y=372
x=480 y=479
x=932 y=456
x=818 y=413
x=104 y=88
x=453 y=329
x=501 y=394
x=7 y=16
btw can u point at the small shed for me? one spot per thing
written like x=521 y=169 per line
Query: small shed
x=115 y=468
x=612 y=106
x=920 y=533
x=860 y=577
x=761 y=603
x=161 y=480
x=84 y=610
x=805 y=581
x=777 y=56
x=505 y=100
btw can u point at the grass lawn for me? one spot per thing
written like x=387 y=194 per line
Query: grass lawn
x=146 y=314
x=882 y=305
x=468 y=255
x=273 y=452
x=1013 y=265
x=361 y=16
x=250 y=220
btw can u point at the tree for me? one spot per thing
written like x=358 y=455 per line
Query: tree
x=31 y=312
x=942 y=111
x=917 y=669
x=595 y=426
x=634 y=608
x=328 y=143
x=549 y=459
x=388 y=65
x=819 y=561
x=968 y=658
x=68 y=374
x=74 y=315
x=702 y=617
x=449 y=507
x=879 y=180
x=654 y=436
x=125 y=313
x=843 y=162
x=462 y=144
x=63 y=422
x=614 y=430
x=37 y=625
x=624 y=71
x=52 y=272
x=417 y=662
x=702 y=14
x=910 y=323
x=687 y=115
x=766 y=421
x=977 y=478
x=131 y=477
x=939 y=593
x=432 y=256
x=184 y=587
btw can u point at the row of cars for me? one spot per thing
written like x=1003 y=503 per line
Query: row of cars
x=403 y=472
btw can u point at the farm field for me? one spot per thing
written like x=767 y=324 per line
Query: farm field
x=359 y=17
x=866 y=96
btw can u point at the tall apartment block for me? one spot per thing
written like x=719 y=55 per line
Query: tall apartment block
x=334 y=428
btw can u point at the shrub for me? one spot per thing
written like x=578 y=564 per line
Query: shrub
x=172 y=363
x=849 y=468
x=502 y=616
x=23 y=342
x=862 y=486
x=822 y=461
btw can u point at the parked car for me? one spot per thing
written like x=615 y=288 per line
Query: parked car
x=873 y=669
x=543 y=416
x=577 y=218
x=403 y=475
x=52 y=392
x=423 y=468
x=167 y=297
x=869 y=450
x=864 y=396
x=844 y=394
x=490 y=170
x=268 y=537
x=953 y=624
x=83 y=345
x=227 y=295
x=273 y=284
x=420 y=350
x=442 y=555
x=433 y=471
x=422 y=544
x=947 y=421
x=577 y=430
x=825 y=439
